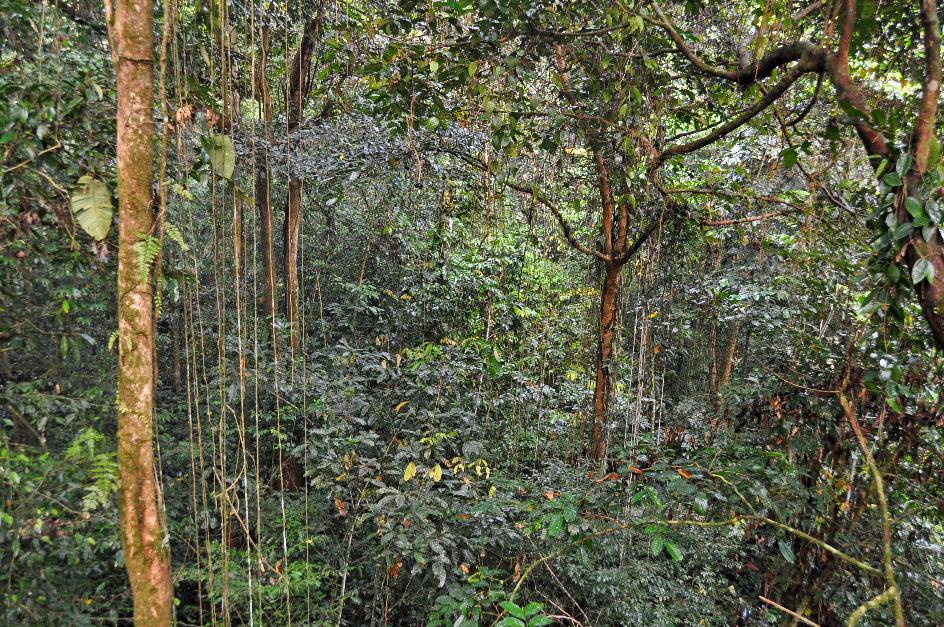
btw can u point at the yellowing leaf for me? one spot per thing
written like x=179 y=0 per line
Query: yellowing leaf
x=410 y=471
x=91 y=205
x=436 y=473
x=222 y=155
x=401 y=405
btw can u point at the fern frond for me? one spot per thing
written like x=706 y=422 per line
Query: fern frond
x=147 y=249
x=172 y=232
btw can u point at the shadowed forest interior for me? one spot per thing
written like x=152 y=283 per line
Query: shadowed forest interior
x=471 y=312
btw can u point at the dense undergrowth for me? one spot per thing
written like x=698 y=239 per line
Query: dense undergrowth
x=422 y=457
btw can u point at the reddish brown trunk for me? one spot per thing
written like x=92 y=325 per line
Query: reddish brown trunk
x=146 y=557
x=727 y=365
x=601 y=393
x=930 y=295
x=263 y=192
x=293 y=227
x=295 y=105
x=712 y=358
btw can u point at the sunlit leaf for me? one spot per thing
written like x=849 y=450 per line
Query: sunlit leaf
x=91 y=205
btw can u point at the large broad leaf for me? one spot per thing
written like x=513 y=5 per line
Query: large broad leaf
x=923 y=269
x=222 y=155
x=91 y=206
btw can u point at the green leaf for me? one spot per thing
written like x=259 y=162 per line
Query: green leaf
x=433 y=66
x=894 y=404
x=913 y=207
x=701 y=504
x=539 y=621
x=533 y=608
x=789 y=157
x=172 y=232
x=933 y=210
x=881 y=167
x=222 y=155
x=904 y=164
x=655 y=547
x=927 y=232
x=513 y=609
x=91 y=205
x=432 y=123
x=556 y=525
x=511 y=621
x=146 y=251
x=923 y=269
x=902 y=231
x=674 y=552
x=892 y=179
x=787 y=552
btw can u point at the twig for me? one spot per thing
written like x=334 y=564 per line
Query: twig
x=799 y=617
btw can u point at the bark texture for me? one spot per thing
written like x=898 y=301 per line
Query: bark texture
x=143 y=533
x=601 y=392
x=263 y=192
x=295 y=102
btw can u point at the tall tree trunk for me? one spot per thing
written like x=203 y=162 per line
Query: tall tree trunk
x=712 y=357
x=295 y=105
x=146 y=557
x=292 y=236
x=263 y=192
x=727 y=363
x=601 y=392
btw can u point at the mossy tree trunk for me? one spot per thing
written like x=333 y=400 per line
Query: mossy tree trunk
x=143 y=533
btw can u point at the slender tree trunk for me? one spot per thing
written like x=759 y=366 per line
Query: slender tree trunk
x=295 y=106
x=292 y=236
x=712 y=358
x=143 y=533
x=727 y=364
x=601 y=393
x=263 y=192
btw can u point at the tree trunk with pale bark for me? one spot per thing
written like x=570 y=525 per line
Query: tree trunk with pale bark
x=143 y=531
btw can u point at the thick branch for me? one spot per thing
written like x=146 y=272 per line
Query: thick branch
x=633 y=248
x=748 y=74
x=927 y=113
x=812 y=61
x=565 y=226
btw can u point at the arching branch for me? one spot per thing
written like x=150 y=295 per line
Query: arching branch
x=811 y=61
x=531 y=190
x=748 y=74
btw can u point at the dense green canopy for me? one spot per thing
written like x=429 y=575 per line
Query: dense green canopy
x=471 y=312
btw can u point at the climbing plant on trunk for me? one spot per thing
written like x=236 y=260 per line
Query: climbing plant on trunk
x=143 y=531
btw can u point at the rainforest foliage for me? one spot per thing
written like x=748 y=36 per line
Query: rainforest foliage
x=471 y=312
